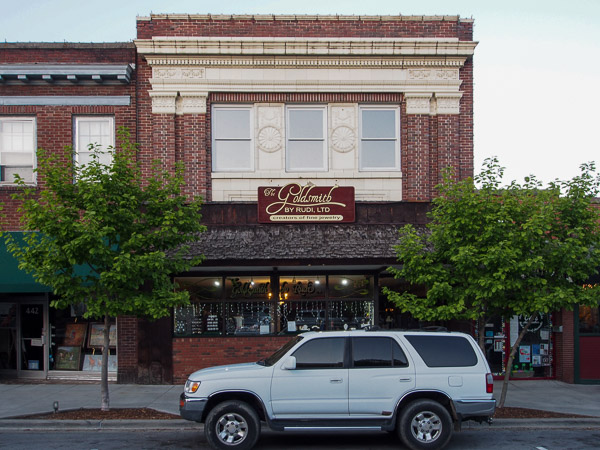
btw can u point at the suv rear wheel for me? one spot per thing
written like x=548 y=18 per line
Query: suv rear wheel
x=425 y=424
x=232 y=425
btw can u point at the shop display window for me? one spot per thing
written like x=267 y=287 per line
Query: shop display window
x=77 y=343
x=589 y=320
x=251 y=306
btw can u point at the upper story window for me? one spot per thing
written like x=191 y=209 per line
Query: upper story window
x=232 y=139
x=94 y=132
x=17 y=148
x=306 y=148
x=379 y=138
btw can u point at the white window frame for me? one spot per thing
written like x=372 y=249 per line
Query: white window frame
x=33 y=121
x=324 y=167
x=396 y=166
x=214 y=139
x=81 y=119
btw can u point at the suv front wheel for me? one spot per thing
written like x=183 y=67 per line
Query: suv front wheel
x=232 y=425
x=425 y=424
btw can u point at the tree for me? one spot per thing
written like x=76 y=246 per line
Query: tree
x=492 y=251
x=105 y=236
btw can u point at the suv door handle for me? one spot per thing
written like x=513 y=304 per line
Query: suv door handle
x=404 y=380
x=335 y=380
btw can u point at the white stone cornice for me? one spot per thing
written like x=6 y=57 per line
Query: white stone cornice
x=228 y=45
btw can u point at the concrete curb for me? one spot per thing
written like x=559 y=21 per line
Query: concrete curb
x=65 y=425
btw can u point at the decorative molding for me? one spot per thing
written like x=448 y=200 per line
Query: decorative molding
x=269 y=127
x=343 y=61
x=191 y=103
x=448 y=103
x=433 y=74
x=178 y=73
x=304 y=46
x=163 y=102
x=343 y=127
x=65 y=100
x=418 y=103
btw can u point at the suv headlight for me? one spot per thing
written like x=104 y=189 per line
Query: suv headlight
x=191 y=386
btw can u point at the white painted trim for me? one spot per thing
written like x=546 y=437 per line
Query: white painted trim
x=65 y=100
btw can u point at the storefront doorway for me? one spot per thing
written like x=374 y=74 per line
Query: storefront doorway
x=24 y=338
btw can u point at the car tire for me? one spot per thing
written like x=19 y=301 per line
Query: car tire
x=425 y=424
x=232 y=425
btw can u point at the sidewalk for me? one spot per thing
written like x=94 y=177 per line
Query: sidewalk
x=24 y=399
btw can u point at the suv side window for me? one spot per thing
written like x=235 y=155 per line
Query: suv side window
x=444 y=351
x=321 y=353
x=377 y=352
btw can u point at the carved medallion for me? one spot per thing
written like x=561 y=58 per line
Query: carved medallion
x=269 y=139
x=343 y=139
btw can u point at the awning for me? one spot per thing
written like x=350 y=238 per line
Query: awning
x=12 y=279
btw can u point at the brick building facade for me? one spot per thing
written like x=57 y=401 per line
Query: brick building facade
x=254 y=105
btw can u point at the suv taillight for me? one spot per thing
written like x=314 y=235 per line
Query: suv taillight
x=489 y=383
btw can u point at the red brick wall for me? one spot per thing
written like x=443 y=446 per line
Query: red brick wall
x=564 y=346
x=408 y=27
x=55 y=123
x=127 y=349
x=191 y=354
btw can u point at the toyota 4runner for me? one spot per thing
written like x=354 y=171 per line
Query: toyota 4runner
x=421 y=385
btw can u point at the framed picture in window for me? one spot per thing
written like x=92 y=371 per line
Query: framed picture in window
x=96 y=335
x=75 y=334
x=67 y=358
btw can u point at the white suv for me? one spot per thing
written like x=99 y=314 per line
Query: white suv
x=421 y=385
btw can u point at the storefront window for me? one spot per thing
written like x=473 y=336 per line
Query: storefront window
x=76 y=343
x=589 y=320
x=8 y=336
x=248 y=305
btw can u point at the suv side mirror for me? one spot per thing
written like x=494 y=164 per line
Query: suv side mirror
x=289 y=363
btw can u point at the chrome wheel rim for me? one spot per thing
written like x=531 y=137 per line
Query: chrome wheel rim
x=426 y=427
x=231 y=429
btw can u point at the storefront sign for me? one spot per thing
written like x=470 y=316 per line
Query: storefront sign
x=296 y=203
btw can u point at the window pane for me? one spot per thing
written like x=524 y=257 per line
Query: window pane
x=231 y=123
x=8 y=174
x=305 y=123
x=444 y=351
x=398 y=356
x=378 y=155
x=232 y=155
x=378 y=124
x=321 y=353
x=305 y=155
x=372 y=352
x=97 y=132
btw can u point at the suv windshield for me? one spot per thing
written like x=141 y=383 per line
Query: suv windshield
x=279 y=353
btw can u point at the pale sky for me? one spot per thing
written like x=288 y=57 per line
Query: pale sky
x=537 y=65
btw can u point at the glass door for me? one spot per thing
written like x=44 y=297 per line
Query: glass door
x=33 y=350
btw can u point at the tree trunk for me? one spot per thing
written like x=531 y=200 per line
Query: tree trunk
x=511 y=358
x=105 y=406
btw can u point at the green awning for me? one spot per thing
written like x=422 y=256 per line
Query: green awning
x=12 y=279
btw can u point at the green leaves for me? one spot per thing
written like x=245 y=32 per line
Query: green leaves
x=101 y=233
x=492 y=250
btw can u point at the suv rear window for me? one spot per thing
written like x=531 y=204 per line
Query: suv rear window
x=444 y=351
